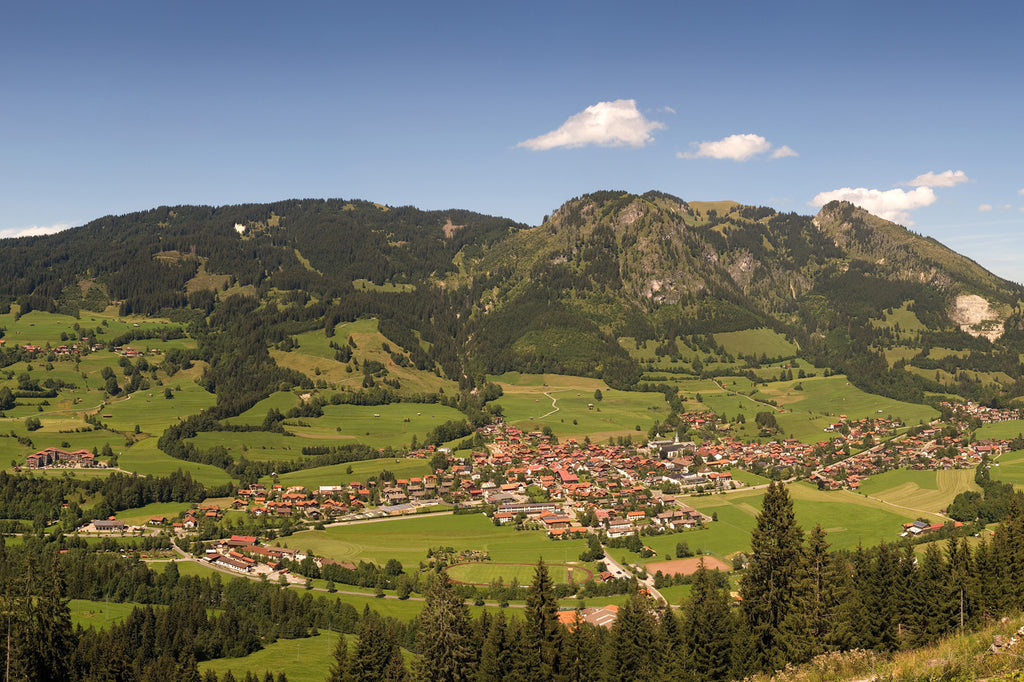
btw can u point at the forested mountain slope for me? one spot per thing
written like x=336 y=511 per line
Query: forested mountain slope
x=471 y=294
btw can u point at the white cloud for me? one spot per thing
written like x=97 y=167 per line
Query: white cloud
x=607 y=124
x=948 y=178
x=893 y=204
x=667 y=110
x=783 y=151
x=1006 y=207
x=34 y=231
x=985 y=208
x=1021 y=191
x=735 y=148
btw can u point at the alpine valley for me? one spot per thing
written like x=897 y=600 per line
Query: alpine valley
x=338 y=439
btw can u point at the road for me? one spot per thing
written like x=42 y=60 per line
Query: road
x=620 y=571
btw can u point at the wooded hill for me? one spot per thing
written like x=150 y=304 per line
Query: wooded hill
x=467 y=294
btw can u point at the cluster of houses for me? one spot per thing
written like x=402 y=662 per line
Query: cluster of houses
x=982 y=413
x=918 y=528
x=56 y=457
x=929 y=449
x=333 y=502
x=244 y=554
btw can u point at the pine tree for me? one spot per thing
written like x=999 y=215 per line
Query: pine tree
x=377 y=657
x=340 y=669
x=985 y=583
x=819 y=599
x=673 y=653
x=881 y=598
x=960 y=565
x=582 y=662
x=444 y=639
x=931 y=603
x=543 y=637
x=707 y=629
x=494 y=654
x=633 y=649
x=768 y=586
x=851 y=629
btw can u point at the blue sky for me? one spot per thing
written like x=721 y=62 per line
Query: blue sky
x=913 y=110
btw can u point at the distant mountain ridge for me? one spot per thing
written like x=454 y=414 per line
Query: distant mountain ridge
x=484 y=294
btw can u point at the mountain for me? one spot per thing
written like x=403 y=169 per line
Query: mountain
x=466 y=294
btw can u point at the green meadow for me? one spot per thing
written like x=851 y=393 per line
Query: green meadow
x=98 y=614
x=377 y=426
x=568 y=405
x=141 y=515
x=408 y=540
x=314 y=357
x=340 y=474
x=756 y=342
x=1010 y=468
x=1001 y=430
x=145 y=458
x=487 y=572
x=929 y=491
x=302 y=660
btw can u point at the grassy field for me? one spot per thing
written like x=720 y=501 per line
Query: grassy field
x=408 y=539
x=564 y=403
x=848 y=519
x=1008 y=430
x=756 y=342
x=145 y=458
x=1010 y=468
x=486 y=572
x=929 y=491
x=805 y=406
x=337 y=474
x=98 y=614
x=301 y=660
x=315 y=358
x=151 y=411
x=141 y=515
x=377 y=426
x=907 y=320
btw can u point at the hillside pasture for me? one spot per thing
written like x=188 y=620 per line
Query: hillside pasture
x=140 y=516
x=314 y=357
x=901 y=317
x=1009 y=468
x=261 y=446
x=99 y=614
x=336 y=474
x=378 y=426
x=835 y=395
x=927 y=491
x=1001 y=430
x=146 y=459
x=308 y=659
x=559 y=401
x=756 y=342
x=40 y=328
x=151 y=411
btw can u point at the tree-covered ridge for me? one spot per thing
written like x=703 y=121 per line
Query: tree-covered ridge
x=466 y=294
x=144 y=259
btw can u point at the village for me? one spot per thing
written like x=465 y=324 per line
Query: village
x=571 y=489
